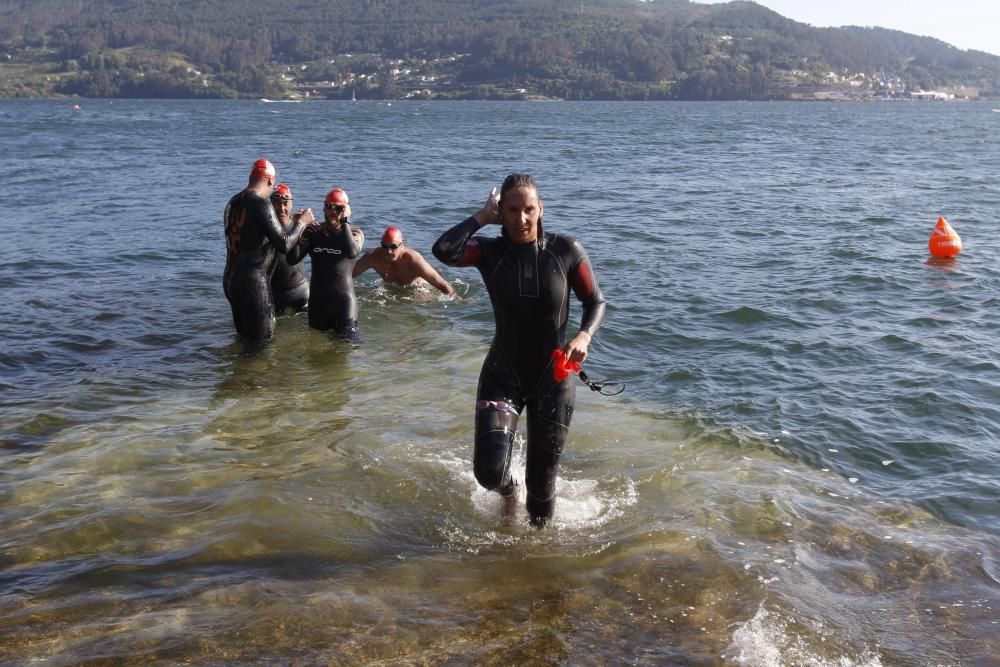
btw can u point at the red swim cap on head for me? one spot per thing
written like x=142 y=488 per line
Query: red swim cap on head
x=282 y=192
x=392 y=235
x=262 y=168
x=336 y=196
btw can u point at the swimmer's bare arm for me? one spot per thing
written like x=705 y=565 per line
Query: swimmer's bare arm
x=427 y=272
x=363 y=264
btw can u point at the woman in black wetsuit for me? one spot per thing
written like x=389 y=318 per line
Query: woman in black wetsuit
x=334 y=247
x=528 y=275
x=253 y=235
x=289 y=284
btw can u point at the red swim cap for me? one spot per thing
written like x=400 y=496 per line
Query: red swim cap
x=262 y=168
x=392 y=235
x=282 y=192
x=336 y=196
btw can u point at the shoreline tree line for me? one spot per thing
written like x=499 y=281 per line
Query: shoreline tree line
x=447 y=49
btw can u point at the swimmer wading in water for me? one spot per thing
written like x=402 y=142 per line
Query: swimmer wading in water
x=253 y=236
x=400 y=265
x=333 y=246
x=529 y=275
x=289 y=283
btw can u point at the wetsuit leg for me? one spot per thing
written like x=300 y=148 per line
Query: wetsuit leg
x=297 y=298
x=348 y=331
x=254 y=307
x=237 y=316
x=496 y=424
x=234 y=306
x=548 y=427
x=320 y=315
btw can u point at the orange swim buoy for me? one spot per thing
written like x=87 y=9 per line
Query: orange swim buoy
x=944 y=241
x=562 y=366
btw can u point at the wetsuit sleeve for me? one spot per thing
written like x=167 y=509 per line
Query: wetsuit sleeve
x=301 y=249
x=584 y=284
x=352 y=248
x=358 y=237
x=454 y=248
x=282 y=240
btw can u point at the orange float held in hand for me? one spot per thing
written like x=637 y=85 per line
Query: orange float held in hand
x=562 y=366
x=944 y=241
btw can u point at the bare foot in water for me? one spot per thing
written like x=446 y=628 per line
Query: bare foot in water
x=508 y=508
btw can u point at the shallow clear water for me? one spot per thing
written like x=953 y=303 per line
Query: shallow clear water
x=804 y=469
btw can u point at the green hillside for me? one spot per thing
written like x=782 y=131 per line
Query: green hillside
x=567 y=49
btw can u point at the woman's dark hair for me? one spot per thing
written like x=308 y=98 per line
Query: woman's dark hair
x=525 y=181
x=518 y=181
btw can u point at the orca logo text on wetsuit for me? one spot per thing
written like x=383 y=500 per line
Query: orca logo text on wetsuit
x=332 y=251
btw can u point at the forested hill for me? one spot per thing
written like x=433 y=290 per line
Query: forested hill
x=569 y=49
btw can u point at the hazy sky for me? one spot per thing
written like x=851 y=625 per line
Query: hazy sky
x=967 y=24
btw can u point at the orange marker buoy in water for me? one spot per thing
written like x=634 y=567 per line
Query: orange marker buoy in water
x=944 y=241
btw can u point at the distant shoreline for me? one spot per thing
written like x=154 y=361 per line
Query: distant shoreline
x=806 y=100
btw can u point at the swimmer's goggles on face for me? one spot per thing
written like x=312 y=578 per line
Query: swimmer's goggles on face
x=337 y=208
x=390 y=246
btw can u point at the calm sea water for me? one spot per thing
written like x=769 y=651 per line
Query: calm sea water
x=804 y=469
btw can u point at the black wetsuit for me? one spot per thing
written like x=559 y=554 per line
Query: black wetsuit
x=332 y=304
x=253 y=236
x=289 y=284
x=529 y=288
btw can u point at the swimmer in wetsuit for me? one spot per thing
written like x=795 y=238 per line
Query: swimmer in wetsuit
x=528 y=275
x=333 y=246
x=289 y=284
x=253 y=236
x=400 y=265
